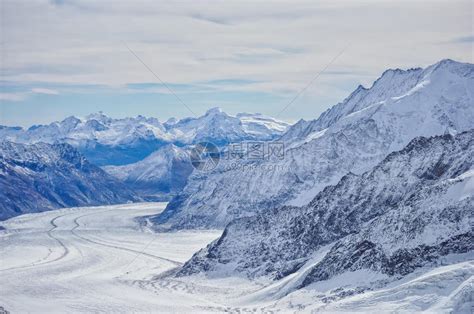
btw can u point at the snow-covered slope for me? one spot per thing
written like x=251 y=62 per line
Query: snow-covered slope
x=220 y=128
x=159 y=175
x=107 y=141
x=262 y=127
x=411 y=210
x=101 y=139
x=352 y=136
x=79 y=259
x=41 y=177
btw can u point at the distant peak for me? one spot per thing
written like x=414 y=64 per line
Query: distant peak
x=391 y=72
x=99 y=116
x=215 y=110
x=449 y=65
x=447 y=61
x=171 y=121
x=69 y=123
x=71 y=118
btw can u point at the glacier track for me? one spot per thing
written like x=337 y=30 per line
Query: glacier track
x=101 y=259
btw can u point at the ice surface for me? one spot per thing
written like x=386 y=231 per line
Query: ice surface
x=99 y=259
x=90 y=259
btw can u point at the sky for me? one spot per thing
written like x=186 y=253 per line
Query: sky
x=177 y=59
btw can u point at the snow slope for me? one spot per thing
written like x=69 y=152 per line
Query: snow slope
x=220 y=128
x=352 y=136
x=411 y=211
x=99 y=259
x=160 y=175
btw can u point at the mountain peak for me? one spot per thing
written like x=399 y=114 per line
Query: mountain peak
x=171 y=121
x=99 y=116
x=71 y=119
x=375 y=121
x=447 y=61
x=70 y=123
x=452 y=66
x=213 y=111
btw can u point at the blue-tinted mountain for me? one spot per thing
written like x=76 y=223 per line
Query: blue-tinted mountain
x=159 y=176
x=107 y=141
x=40 y=177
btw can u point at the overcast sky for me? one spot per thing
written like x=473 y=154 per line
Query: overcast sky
x=70 y=57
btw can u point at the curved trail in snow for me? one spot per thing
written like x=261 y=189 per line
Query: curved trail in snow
x=89 y=260
x=101 y=260
x=136 y=252
x=44 y=260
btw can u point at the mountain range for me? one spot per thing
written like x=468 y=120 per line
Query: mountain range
x=377 y=191
x=107 y=141
x=413 y=210
x=353 y=136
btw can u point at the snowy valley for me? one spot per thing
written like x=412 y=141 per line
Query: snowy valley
x=369 y=208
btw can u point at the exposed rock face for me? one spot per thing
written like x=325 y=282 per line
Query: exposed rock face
x=353 y=136
x=409 y=210
x=42 y=177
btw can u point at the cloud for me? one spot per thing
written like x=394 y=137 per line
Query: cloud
x=224 y=46
x=45 y=91
x=463 y=40
x=13 y=96
x=25 y=94
x=188 y=43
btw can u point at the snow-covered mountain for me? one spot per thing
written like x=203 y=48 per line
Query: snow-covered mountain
x=164 y=173
x=107 y=141
x=412 y=210
x=220 y=128
x=42 y=176
x=159 y=175
x=352 y=136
